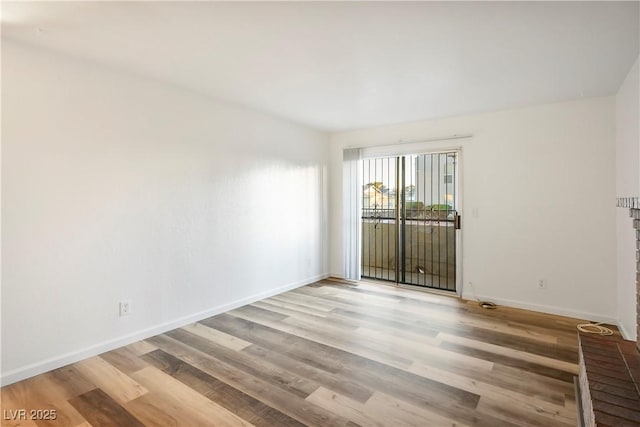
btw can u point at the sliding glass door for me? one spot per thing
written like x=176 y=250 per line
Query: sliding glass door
x=410 y=219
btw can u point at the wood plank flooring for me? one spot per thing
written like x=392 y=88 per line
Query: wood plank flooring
x=328 y=354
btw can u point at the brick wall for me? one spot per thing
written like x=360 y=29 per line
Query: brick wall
x=609 y=381
x=609 y=376
x=633 y=204
x=636 y=224
x=635 y=213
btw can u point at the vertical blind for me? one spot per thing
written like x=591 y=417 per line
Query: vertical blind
x=351 y=184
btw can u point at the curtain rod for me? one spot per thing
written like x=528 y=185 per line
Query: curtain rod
x=415 y=141
x=441 y=138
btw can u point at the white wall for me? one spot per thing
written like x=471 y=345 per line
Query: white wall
x=627 y=185
x=543 y=182
x=116 y=187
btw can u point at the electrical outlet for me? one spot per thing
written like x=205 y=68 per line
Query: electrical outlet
x=542 y=284
x=125 y=308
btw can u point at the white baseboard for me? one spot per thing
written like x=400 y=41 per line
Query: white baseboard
x=560 y=311
x=37 y=368
x=625 y=334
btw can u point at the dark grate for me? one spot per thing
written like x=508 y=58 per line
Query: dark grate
x=409 y=217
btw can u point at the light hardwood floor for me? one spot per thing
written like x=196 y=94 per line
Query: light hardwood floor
x=327 y=354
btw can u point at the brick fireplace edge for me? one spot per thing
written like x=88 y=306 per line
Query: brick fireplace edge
x=633 y=204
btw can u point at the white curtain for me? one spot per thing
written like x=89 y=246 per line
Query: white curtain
x=352 y=205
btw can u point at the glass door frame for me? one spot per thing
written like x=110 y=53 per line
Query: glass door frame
x=400 y=158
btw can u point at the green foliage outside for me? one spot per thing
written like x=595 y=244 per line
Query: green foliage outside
x=414 y=205
x=439 y=207
x=419 y=210
x=419 y=206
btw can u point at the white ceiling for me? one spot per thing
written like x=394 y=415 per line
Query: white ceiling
x=346 y=65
